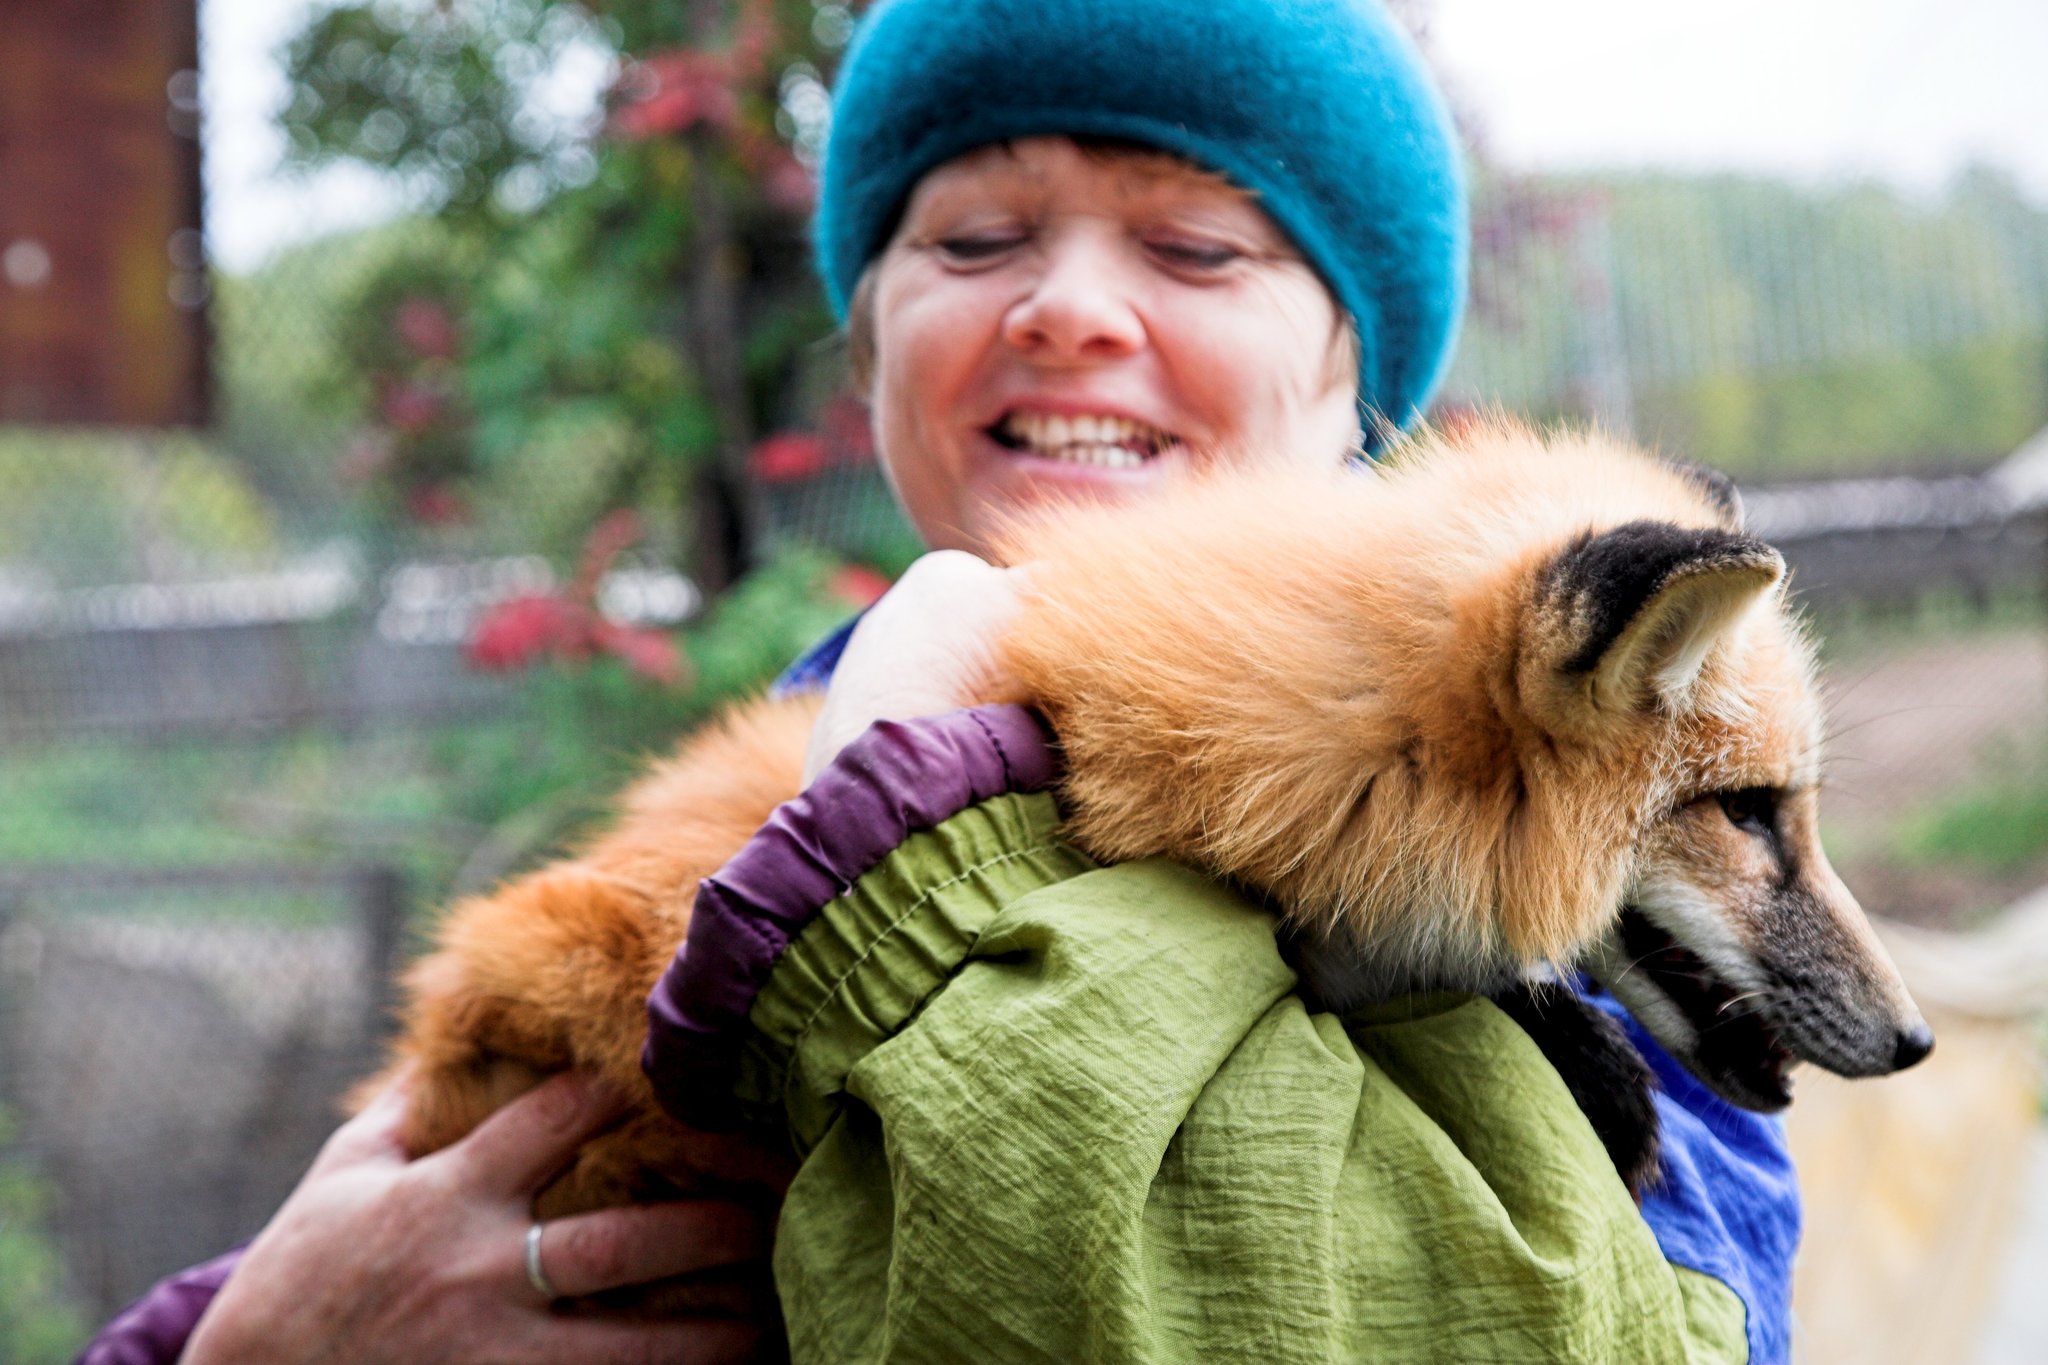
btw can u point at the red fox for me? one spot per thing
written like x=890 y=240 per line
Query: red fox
x=1504 y=706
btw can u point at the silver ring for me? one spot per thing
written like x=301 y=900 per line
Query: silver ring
x=535 y=1276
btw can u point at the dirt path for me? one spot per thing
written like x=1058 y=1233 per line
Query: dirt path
x=1907 y=724
x=1928 y=1195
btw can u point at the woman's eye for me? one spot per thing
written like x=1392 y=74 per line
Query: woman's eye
x=975 y=249
x=1197 y=256
x=1754 y=810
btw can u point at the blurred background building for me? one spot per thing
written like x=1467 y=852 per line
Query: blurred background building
x=412 y=412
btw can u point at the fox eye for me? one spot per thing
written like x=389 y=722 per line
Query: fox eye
x=1753 y=810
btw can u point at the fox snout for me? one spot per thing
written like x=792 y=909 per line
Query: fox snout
x=1742 y=952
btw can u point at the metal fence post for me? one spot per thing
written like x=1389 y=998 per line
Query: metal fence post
x=381 y=905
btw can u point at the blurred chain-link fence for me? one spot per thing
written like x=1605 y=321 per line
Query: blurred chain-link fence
x=175 y=1038
x=241 y=743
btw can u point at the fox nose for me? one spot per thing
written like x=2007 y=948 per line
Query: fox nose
x=1912 y=1046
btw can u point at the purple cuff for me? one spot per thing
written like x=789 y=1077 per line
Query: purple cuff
x=154 y=1329
x=899 y=778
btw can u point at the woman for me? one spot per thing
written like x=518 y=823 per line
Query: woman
x=1077 y=245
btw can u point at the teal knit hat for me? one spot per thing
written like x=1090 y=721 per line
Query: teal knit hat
x=1320 y=107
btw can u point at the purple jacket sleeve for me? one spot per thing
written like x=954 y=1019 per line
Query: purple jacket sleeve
x=895 y=780
x=154 y=1329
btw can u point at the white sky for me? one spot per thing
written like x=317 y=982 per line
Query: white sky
x=1908 y=91
x=1901 y=90
x=251 y=208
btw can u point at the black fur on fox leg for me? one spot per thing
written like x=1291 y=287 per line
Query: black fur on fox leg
x=1606 y=1075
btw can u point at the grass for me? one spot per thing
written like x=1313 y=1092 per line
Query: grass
x=39 y=1324
x=1998 y=824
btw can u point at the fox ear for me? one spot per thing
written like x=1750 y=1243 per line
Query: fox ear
x=1626 y=619
x=1718 y=488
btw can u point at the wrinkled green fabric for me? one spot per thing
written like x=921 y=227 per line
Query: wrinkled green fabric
x=1055 y=1112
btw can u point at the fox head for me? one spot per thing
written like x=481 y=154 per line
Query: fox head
x=1506 y=705
x=1736 y=945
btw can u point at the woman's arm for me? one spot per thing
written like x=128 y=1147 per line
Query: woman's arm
x=365 y=1230
x=1729 y=1208
x=1054 y=1112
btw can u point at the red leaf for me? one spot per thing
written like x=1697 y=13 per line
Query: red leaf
x=787 y=457
x=858 y=584
x=606 y=541
x=650 y=653
x=673 y=92
x=519 y=630
x=425 y=326
x=409 y=407
x=436 y=504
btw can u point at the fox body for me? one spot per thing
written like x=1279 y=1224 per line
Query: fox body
x=1504 y=706
x=1505 y=703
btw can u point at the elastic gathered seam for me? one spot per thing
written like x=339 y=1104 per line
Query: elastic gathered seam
x=804 y=1029
x=1002 y=757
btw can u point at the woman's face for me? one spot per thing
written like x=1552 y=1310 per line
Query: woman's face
x=1050 y=322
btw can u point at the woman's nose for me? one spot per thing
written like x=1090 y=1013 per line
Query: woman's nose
x=1080 y=305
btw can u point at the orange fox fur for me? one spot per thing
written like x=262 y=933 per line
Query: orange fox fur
x=1347 y=684
x=1347 y=681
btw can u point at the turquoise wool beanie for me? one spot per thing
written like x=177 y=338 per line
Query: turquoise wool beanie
x=1321 y=107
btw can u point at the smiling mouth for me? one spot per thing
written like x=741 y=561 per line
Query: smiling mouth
x=1102 y=440
x=1736 y=1050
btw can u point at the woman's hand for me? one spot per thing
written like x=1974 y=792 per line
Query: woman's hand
x=930 y=645
x=375 y=1258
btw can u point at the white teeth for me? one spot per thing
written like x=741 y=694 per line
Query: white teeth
x=1111 y=457
x=1097 y=439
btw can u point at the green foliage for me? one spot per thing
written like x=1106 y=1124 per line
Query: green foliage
x=764 y=623
x=39 y=1325
x=1771 y=328
x=440 y=95
x=1851 y=632
x=313 y=795
x=1932 y=409
x=1999 y=824
x=630 y=302
x=93 y=508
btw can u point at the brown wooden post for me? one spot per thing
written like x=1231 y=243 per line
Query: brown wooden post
x=381 y=906
x=103 y=280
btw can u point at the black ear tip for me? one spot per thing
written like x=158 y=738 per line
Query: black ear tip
x=1719 y=488
x=1612 y=575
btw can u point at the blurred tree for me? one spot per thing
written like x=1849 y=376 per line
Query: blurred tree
x=1769 y=327
x=628 y=293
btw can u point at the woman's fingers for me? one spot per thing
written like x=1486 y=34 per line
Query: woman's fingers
x=931 y=644
x=522 y=1146
x=592 y=1252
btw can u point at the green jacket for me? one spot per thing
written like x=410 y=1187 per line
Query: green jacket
x=1050 y=1111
